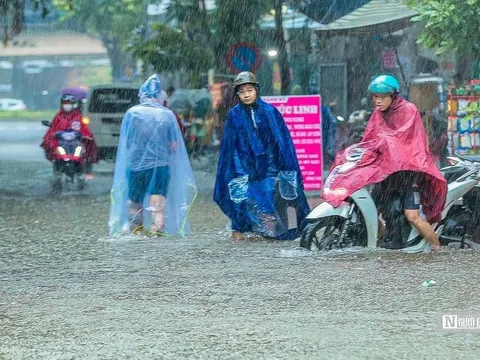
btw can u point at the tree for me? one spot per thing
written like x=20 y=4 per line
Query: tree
x=232 y=22
x=194 y=21
x=113 y=20
x=449 y=25
x=236 y=21
x=184 y=45
x=11 y=12
x=199 y=39
x=170 y=50
x=192 y=17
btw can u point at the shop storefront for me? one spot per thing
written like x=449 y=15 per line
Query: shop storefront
x=464 y=119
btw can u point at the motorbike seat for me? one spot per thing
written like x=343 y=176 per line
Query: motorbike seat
x=452 y=173
x=471 y=158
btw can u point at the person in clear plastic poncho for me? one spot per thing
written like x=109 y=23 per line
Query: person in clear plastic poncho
x=153 y=186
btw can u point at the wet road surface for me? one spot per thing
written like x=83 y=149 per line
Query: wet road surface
x=70 y=291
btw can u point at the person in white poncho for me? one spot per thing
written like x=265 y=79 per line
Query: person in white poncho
x=154 y=186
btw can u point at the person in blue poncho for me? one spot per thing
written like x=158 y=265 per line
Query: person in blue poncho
x=153 y=186
x=258 y=175
x=329 y=134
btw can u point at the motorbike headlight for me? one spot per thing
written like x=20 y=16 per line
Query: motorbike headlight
x=61 y=150
x=78 y=151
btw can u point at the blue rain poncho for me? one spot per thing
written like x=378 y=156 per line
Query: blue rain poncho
x=329 y=132
x=151 y=160
x=258 y=173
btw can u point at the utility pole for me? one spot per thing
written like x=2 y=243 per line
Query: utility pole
x=281 y=44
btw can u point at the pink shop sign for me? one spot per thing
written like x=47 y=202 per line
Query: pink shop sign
x=303 y=116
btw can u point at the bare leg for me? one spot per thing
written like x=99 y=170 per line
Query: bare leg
x=237 y=235
x=424 y=228
x=157 y=205
x=269 y=223
x=135 y=213
x=381 y=226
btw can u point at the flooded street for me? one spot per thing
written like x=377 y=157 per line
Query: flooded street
x=374 y=92
x=70 y=291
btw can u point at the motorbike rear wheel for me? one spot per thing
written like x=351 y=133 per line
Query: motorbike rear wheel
x=322 y=235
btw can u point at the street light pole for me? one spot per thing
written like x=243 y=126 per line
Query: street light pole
x=276 y=76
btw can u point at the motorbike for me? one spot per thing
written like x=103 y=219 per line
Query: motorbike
x=461 y=224
x=68 y=167
x=355 y=222
x=357 y=122
x=351 y=131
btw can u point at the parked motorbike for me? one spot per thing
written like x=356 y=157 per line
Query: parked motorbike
x=68 y=167
x=355 y=221
x=357 y=122
x=351 y=131
x=461 y=226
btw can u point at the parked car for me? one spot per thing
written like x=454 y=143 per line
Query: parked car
x=104 y=110
x=12 y=105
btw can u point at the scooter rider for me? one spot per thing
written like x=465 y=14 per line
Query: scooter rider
x=69 y=118
x=390 y=116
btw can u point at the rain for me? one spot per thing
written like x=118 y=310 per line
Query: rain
x=239 y=179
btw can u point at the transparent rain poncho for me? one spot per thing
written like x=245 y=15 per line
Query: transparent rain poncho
x=150 y=139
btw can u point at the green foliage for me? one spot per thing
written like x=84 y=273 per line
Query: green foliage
x=184 y=11
x=109 y=18
x=113 y=20
x=27 y=115
x=170 y=50
x=201 y=39
x=11 y=13
x=449 y=24
x=90 y=75
x=237 y=21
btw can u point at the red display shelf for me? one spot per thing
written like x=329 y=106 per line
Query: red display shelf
x=474 y=82
x=464 y=97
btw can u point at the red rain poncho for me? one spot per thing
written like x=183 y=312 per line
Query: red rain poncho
x=183 y=129
x=66 y=121
x=395 y=141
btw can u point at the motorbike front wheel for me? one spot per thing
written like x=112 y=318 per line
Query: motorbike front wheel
x=80 y=183
x=322 y=235
x=57 y=184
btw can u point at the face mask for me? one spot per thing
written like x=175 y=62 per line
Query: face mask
x=68 y=107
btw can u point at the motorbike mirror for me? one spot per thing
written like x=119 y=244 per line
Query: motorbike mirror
x=46 y=123
x=453 y=160
x=341 y=119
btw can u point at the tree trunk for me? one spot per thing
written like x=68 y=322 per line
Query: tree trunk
x=281 y=47
x=118 y=58
x=4 y=7
x=204 y=21
x=18 y=16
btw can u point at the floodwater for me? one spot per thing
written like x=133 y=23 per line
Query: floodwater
x=70 y=291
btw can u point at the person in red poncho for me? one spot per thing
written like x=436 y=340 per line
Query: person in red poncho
x=70 y=118
x=167 y=95
x=403 y=162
